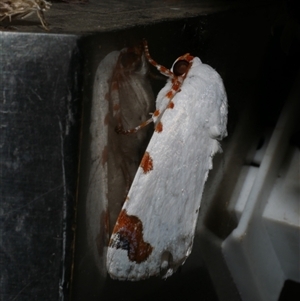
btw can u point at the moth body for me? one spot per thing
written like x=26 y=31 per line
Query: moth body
x=155 y=229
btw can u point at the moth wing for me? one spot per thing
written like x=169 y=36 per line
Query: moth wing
x=155 y=230
x=97 y=182
x=120 y=93
x=100 y=103
x=134 y=99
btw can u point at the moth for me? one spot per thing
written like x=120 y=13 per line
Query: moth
x=155 y=229
x=23 y=9
x=122 y=97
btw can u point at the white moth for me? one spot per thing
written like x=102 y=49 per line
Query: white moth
x=155 y=229
x=23 y=9
x=122 y=96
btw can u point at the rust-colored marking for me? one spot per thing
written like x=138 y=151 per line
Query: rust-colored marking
x=146 y=163
x=186 y=57
x=156 y=113
x=114 y=85
x=128 y=235
x=176 y=86
x=159 y=127
x=116 y=107
x=170 y=105
x=163 y=69
x=104 y=155
x=170 y=94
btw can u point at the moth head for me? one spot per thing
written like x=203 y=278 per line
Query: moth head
x=131 y=59
x=182 y=65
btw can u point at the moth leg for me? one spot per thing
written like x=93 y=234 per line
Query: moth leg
x=156 y=116
x=120 y=130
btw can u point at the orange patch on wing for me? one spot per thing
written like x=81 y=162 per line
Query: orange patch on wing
x=170 y=105
x=159 y=127
x=128 y=235
x=156 y=113
x=146 y=163
x=170 y=94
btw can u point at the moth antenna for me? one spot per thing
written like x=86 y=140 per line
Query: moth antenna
x=177 y=80
x=163 y=70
